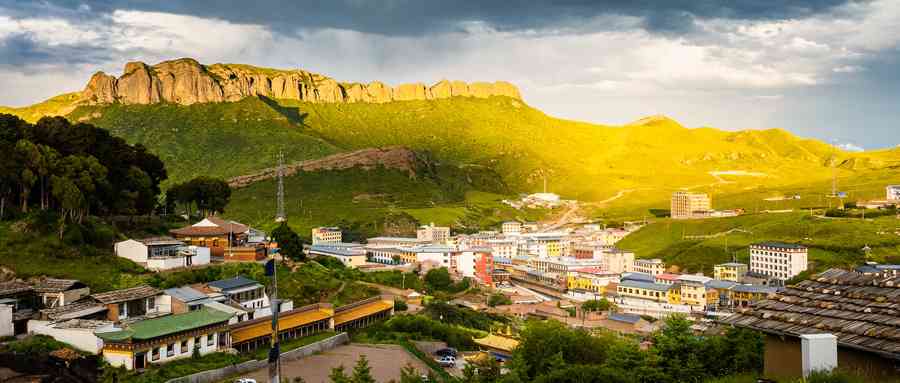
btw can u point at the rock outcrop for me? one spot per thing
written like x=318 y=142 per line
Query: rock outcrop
x=186 y=82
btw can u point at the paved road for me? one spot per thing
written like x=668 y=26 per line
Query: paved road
x=385 y=360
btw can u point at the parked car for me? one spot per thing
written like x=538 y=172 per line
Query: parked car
x=245 y=380
x=450 y=351
x=446 y=361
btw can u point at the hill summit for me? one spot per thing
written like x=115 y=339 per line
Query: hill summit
x=185 y=81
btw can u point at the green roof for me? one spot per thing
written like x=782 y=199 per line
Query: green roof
x=170 y=324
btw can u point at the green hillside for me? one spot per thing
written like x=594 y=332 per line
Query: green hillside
x=832 y=242
x=56 y=106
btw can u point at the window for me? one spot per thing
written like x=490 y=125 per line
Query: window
x=151 y=304
x=184 y=346
x=154 y=355
x=210 y=339
x=123 y=310
x=170 y=350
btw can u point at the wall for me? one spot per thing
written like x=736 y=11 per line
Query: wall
x=783 y=359
x=226 y=372
x=132 y=250
x=6 y=321
x=82 y=339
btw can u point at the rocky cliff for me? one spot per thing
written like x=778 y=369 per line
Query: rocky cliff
x=185 y=81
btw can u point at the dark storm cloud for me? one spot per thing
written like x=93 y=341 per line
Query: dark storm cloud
x=416 y=17
x=20 y=52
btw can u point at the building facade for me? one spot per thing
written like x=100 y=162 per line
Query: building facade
x=731 y=271
x=511 y=228
x=782 y=261
x=893 y=193
x=649 y=266
x=437 y=235
x=690 y=205
x=322 y=235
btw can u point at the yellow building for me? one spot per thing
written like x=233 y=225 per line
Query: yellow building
x=731 y=271
x=674 y=295
x=746 y=295
x=590 y=279
x=693 y=294
x=656 y=292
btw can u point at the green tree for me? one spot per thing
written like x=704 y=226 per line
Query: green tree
x=677 y=350
x=362 y=373
x=596 y=305
x=438 y=279
x=289 y=243
x=498 y=299
x=338 y=375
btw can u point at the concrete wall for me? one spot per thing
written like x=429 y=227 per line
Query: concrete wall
x=224 y=373
x=82 y=339
x=784 y=359
x=132 y=250
x=6 y=321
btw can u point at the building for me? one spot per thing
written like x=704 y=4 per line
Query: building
x=644 y=290
x=159 y=340
x=184 y=299
x=782 y=261
x=322 y=235
x=690 y=205
x=227 y=241
x=748 y=295
x=53 y=292
x=511 y=228
x=503 y=248
x=617 y=261
x=391 y=255
x=542 y=245
x=135 y=303
x=351 y=255
x=666 y=278
x=591 y=279
x=437 y=235
x=17 y=306
x=731 y=271
x=395 y=242
x=248 y=293
x=162 y=253
x=476 y=263
x=893 y=193
x=848 y=304
x=693 y=290
x=437 y=256
x=562 y=265
x=723 y=294
x=649 y=266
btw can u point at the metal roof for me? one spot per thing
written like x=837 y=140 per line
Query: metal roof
x=645 y=285
x=623 y=317
x=233 y=283
x=169 y=324
x=124 y=295
x=780 y=245
x=185 y=294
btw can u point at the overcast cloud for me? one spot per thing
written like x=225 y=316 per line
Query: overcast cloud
x=823 y=69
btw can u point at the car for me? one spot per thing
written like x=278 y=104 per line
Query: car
x=245 y=380
x=446 y=361
x=450 y=351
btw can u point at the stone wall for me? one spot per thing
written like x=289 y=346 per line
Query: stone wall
x=226 y=372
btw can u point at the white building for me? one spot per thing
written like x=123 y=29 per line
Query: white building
x=248 y=293
x=394 y=242
x=781 y=261
x=162 y=253
x=617 y=261
x=653 y=267
x=322 y=235
x=437 y=235
x=503 y=248
x=351 y=255
x=441 y=256
x=511 y=228
x=893 y=193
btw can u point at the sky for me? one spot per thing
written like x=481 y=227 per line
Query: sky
x=825 y=69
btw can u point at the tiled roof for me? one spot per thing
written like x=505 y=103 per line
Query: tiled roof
x=185 y=294
x=863 y=311
x=14 y=287
x=54 y=285
x=73 y=311
x=169 y=324
x=212 y=225
x=124 y=295
x=497 y=342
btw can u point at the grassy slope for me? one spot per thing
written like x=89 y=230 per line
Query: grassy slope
x=56 y=106
x=832 y=242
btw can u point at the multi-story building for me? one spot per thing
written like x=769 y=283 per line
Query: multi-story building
x=893 y=193
x=542 y=245
x=395 y=242
x=589 y=250
x=391 y=255
x=248 y=293
x=617 y=261
x=437 y=235
x=351 y=255
x=644 y=290
x=693 y=292
x=441 y=256
x=781 y=261
x=719 y=294
x=511 y=228
x=591 y=279
x=561 y=265
x=503 y=248
x=476 y=263
x=649 y=266
x=690 y=205
x=322 y=235
x=731 y=271
x=746 y=295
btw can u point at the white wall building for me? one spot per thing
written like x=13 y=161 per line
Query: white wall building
x=781 y=261
x=162 y=253
x=503 y=248
x=351 y=255
x=511 y=228
x=322 y=235
x=893 y=193
x=437 y=235
x=653 y=267
x=617 y=261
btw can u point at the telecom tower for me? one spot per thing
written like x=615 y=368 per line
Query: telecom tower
x=280 y=216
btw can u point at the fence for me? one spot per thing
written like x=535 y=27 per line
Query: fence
x=225 y=372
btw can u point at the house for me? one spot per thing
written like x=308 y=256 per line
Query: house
x=54 y=292
x=351 y=255
x=246 y=292
x=656 y=292
x=859 y=309
x=162 y=253
x=893 y=193
x=747 y=295
x=649 y=266
x=693 y=290
x=186 y=299
x=17 y=305
x=227 y=241
x=686 y=205
x=323 y=235
x=731 y=271
x=782 y=261
x=626 y=324
x=720 y=294
x=133 y=303
x=80 y=333
x=163 y=339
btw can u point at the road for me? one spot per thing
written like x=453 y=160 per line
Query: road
x=568 y=217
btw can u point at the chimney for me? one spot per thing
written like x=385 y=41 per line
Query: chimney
x=819 y=353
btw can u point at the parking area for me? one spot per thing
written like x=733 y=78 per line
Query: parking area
x=386 y=362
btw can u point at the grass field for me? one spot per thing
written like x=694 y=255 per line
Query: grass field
x=832 y=242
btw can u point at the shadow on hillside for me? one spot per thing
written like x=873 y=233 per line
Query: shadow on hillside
x=660 y=213
x=293 y=114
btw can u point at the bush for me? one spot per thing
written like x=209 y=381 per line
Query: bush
x=498 y=299
x=400 y=305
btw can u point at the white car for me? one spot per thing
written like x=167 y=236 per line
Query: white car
x=446 y=361
x=245 y=380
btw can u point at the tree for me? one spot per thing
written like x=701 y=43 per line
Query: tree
x=289 y=243
x=596 y=305
x=210 y=195
x=338 y=375
x=438 y=279
x=677 y=350
x=498 y=299
x=362 y=373
x=409 y=374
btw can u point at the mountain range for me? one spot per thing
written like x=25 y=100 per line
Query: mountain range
x=230 y=120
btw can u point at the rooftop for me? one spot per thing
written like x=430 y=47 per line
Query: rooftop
x=859 y=309
x=233 y=283
x=732 y=264
x=54 y=285
x=124 y=295
x=645 y=285
x=634 y=276
x=169 y=324
x=159 y=241
x=717 y=284
x=780 y=245
x=626 y=318
x=14 y=287
x=73 y=311
x=186 y=294
x=212 y=225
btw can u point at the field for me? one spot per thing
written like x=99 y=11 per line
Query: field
x=832 y=242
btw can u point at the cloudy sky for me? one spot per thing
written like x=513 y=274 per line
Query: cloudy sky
x=828 y=69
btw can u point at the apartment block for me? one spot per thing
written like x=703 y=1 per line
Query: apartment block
x=781 y=261
x=690 y=205
x=322 y=235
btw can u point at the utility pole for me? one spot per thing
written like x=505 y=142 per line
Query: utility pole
x=280 y=216
x=275 y=349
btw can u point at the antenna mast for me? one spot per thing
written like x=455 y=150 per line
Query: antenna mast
x=280 y=216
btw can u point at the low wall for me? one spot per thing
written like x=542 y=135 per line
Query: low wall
x=225 y=372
